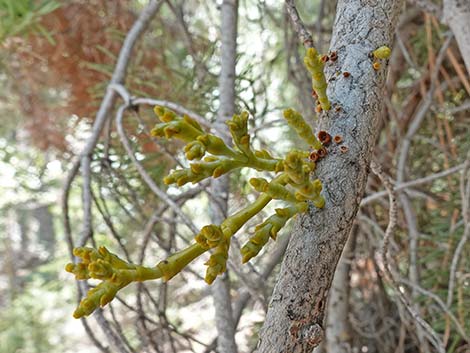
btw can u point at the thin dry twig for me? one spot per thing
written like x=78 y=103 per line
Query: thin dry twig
x=390 y=230
x=304 y=35
x=412 y=183
x=401 y=174
x=465 y=195
x=145 y=176
x=439 y=302
x=119 y=88
x=84 y=159
x=422 y=112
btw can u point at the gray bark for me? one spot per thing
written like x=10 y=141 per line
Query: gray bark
x=294 y=321
x=338 y=330
x=457 y=16
x=220 y=187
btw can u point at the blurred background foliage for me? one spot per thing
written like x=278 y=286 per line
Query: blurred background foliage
x=56 y=58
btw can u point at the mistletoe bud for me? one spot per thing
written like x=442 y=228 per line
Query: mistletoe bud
x=314 y=65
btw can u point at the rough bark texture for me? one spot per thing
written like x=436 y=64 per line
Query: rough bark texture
x=294 y=321
x=220 y=187
x=457 y=16
x=338 y=330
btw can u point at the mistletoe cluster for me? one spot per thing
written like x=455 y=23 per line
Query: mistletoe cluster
x=211 y=157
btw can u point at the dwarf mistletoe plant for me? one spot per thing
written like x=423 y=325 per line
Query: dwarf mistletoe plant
x=210 y=156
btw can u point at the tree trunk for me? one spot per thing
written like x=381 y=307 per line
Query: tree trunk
x=457 y=16
x=294 y=321
x=338 y=331
x=220 y=187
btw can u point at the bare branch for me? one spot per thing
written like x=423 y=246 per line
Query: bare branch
x=304 y=35
x=129 y=100
x=439 y=302
x=412 y=183
x=145 y=176
x=84 y=158
x=220 y=187
x=102 y=115
x=391 y=227
x=465 y=195
x=421 y=114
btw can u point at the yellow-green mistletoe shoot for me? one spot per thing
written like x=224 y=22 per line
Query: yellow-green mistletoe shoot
x=210 y=156
x=315 y=66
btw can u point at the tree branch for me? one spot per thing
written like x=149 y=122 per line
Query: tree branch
x=84 y=158
x=299 y=27
x=412 y=183
x=391 y=227
x=220 y=187
x=294 y=321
